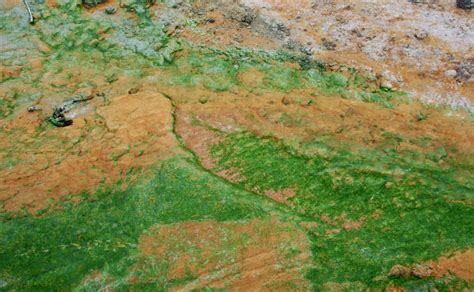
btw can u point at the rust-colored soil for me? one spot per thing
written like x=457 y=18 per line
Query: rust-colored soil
x=246 y=256
x=133 y=131
x=288 y=116
x=8 y=4
x=461 y=265
x=280 y=196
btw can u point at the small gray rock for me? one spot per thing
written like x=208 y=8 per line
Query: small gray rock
x=450 y=73
x=421 y=35
x=307 y=50
x=387 y=84
x=291 y=44
x=285 y=100
x=174 y=3
x=329 y=45
x=280 y=28
x=465 y=4
x=241 y=13
x=91 y=3
x=110 y=10
x=133 y=90
x=465 y=70
x=34 y=108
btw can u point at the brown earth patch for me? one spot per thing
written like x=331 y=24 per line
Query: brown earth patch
x=349 y=124
x=199 y=139
x=342 y=221
x=133 y=131
x=461 y=265
x=251 y=78
x=395 y=289
x=339 y=287
x=51 y=3
x=261 y=254
x=348 y=224
x=9 y=4
x=280 y=196
x=326 y=219
x=9 y=72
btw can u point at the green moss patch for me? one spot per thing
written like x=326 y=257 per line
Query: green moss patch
x=403 y=210
x=56 y=251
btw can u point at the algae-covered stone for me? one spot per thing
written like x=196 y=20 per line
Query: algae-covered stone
x=68 y=3
x=3 y=283
x=170 y=50
x=438 y=155
x=174 y=3
x=110 y=10
x=59 y=119
x=465 y=4
x=203 y=99
x=92 y=3
x=134 y=3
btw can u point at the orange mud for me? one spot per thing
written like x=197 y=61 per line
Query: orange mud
x=246 y=256
x=356 y=124
x=8 y=4
x=349 y=121
x=133 y=131
x=9 y=72
x=342 y=221
x=352 y=124
x=280 y=196
x=461 y=265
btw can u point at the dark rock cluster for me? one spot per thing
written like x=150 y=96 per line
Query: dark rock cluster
x=465 y=4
